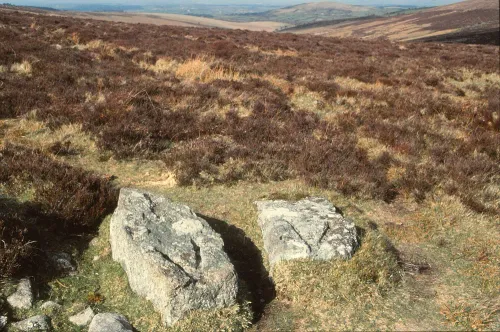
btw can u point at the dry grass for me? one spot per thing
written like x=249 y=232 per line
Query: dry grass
x=374 y=148
x=22 y=68
x=82 y=151
x=162 y=65
x=203 y=69
x=311 y=101
x=473 y=83
x=278 y=52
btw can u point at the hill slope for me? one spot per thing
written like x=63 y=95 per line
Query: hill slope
x=321 y=7
x=465 y=18
x=153 y=18
x=179 y=20
x=316 y=11
x=403 y=139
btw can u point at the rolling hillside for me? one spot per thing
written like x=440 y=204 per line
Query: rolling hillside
x=403 y=138
x=179 y=20
x=153 y=18
x=316 y=11
x=462 y=21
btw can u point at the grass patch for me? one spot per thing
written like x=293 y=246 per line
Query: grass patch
x=204 y=70
x=72 y=145
x=338 y=289
x=22 y=68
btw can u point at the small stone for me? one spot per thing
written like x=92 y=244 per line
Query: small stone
x=23 y=297
x=51 y=306
x=3 y=322
x=62 y=262
x=310 y=228
x=96 y=258
x=36 y=323
x=83 y=318
x=110 y=322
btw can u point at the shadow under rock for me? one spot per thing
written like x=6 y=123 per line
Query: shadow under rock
x=247 y=260
x=46 y=235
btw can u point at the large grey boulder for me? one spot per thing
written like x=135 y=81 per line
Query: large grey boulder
x=36 y=323
x=108 y=322
x=171 y=256
x=310 y=228
x=23 y=297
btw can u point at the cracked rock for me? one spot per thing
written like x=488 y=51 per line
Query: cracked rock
x=36 y=323
x=83 y=318
x=23 y=297
x=171 y=256
x=310 y=228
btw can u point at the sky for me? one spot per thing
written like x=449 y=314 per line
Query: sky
x=218 y=2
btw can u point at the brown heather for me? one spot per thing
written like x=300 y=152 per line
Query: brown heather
x=159 y=115
x=62 y=200
x=404 y=138
x=216 y=112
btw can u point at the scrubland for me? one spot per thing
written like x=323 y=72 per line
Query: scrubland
x=404 y=138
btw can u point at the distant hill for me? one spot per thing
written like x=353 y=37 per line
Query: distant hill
x=471 y=21
x=151 y=18
x=33 y=9
x=316 y=12
x=322 y=7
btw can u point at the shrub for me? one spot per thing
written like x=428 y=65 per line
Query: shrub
x=15 y=250
x=77 y=198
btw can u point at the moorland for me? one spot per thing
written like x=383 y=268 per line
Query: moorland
x=471 y=21
x=403 y=137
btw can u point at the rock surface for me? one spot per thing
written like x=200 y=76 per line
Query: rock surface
x=51 y=306
x=36 y=323
x=83 y=318
x=108 y=322
x=171 y=256
x=310 y=228
x=23 y=297
x=62 y=262
x=3 y=322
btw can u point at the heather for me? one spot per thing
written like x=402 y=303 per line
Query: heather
x=404 y=137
